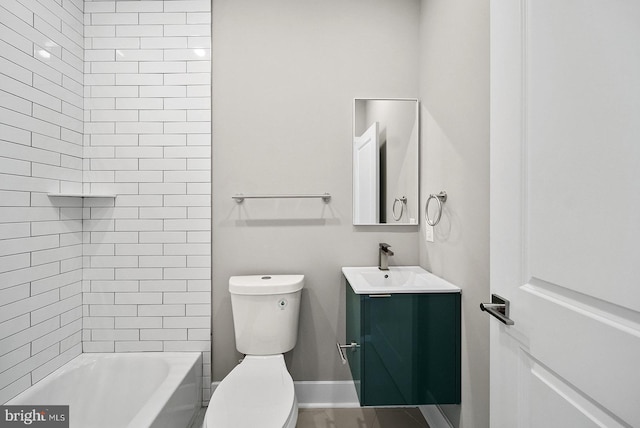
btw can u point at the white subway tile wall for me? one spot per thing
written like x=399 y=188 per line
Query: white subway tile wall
x=41 y=126
x=115 y=99
x=147 y=276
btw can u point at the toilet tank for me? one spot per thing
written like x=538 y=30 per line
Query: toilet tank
x=265 y=312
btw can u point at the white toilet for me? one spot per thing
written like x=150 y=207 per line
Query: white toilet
x=259 y=391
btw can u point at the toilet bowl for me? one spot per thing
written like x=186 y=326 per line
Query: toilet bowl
x=256 y=393
x=259 y=391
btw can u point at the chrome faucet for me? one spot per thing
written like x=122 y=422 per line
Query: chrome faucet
x=383 y=256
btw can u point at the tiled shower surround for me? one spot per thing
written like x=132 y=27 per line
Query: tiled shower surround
x=105 y=97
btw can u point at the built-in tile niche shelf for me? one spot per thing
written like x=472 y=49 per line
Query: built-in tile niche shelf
x=81 y=195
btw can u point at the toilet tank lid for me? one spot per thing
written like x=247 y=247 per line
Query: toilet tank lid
x=258 y=285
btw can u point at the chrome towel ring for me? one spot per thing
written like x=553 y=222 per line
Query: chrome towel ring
x=440 y=198
x=403 y=202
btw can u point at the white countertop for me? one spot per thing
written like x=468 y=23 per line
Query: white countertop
x=398 y=279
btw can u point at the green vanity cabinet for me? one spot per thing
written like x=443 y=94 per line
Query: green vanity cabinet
x=409 y=347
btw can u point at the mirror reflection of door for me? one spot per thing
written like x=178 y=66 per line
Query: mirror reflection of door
x=396 y=161
x=366 y=199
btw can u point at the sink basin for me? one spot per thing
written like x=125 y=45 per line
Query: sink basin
x=398 y=279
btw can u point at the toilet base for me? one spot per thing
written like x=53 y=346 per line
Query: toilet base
x=257 y=392
x=291 y=422
x=293 y=417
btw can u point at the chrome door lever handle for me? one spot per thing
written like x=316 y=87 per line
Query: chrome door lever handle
x=485 y=306
x=499 y=308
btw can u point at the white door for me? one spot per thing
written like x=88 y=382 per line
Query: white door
x=366 y=166
x=565 y=212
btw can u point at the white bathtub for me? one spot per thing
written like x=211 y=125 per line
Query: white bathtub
x=124 y=390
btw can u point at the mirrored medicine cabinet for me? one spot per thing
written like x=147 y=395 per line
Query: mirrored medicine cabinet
x=385 y=161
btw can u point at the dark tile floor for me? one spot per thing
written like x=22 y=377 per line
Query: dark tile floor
x=352 y=418
x=361 y=418
x=199 y=418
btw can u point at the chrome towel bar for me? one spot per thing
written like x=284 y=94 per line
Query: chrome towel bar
x=239 y=198
x=352 y=345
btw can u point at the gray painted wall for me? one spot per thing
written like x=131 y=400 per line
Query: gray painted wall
x=454 y=88
x=285 y=73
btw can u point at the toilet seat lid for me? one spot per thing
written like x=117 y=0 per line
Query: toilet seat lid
x=258 y=392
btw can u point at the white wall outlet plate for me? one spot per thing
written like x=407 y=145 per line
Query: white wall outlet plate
x=429 y=233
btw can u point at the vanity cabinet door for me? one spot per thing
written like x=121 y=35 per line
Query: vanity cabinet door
x=390 y=332
x=438 y=353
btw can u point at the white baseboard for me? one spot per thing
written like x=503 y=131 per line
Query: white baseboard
x=434 y=417
x=322 y=394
